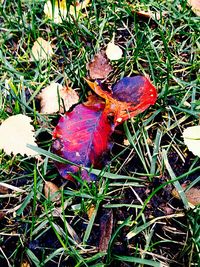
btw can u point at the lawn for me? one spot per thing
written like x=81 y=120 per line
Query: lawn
x=135 y=212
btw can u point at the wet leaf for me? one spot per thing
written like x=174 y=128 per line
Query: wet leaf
x=41 y=50
x=83 y=137
x=99 y=67
x=51 y=191
x=192 y=195
x=56 y=98
x=16 y=132
x=191 y=136
x=106 y=226
x=195 y=5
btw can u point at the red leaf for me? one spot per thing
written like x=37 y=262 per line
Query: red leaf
x=82 y=136
x=129 y=97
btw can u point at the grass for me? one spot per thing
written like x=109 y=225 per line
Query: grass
x=150 y=227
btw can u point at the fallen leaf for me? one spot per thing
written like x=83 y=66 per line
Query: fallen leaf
x=56 y=13
x=146 y=12
x=74 y=10
x=56 y=98
x=60 y=10
x=90 y=211
x=129 y=97
x=41 y=50
x=106 y=226
x=2 y=215
x=51 y=191
x=195 y=5
x=192 y=195
x=126 y=142
x=3 y=189
x=83 y=136
x=191 y=136
x=16 y=132
x=99 y=67
x=113 y=51
x=25 y=263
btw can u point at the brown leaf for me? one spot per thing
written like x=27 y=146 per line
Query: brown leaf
x=195 y=5
x=3 y=189
x=99 y=67
x=51 y=191
x=193 y=194
x=106 y=225
x=2 y=215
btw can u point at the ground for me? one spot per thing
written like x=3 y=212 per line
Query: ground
x=128 y=216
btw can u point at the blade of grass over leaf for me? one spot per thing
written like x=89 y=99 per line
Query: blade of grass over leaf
x=176 y=183
x=139 y=261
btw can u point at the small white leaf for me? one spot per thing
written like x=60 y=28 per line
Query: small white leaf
x=191 y=137
x=41 y=50
x=113 y=51
x=50 y=95
x=15 y=133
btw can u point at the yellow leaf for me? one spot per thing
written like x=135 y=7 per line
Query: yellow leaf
x=25 y=263
x=113 y=51
x=90 y=211
x=54 y=96
x=51 y=191
x=60 y=10
x=41 y=50
x=58 y=13
x=195 y=5
x=16 y=132
x=191 y=136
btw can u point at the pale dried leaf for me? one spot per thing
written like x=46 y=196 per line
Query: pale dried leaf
x=192 y=195
x=51 y=191
x=74 y=10
x=41 y=50
x=54 y=96
x=195 y=5
x=99 y=67
x=191 y=136
x=113 y=51
x=69 y=97
x=16 y=132
x=126 y=142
